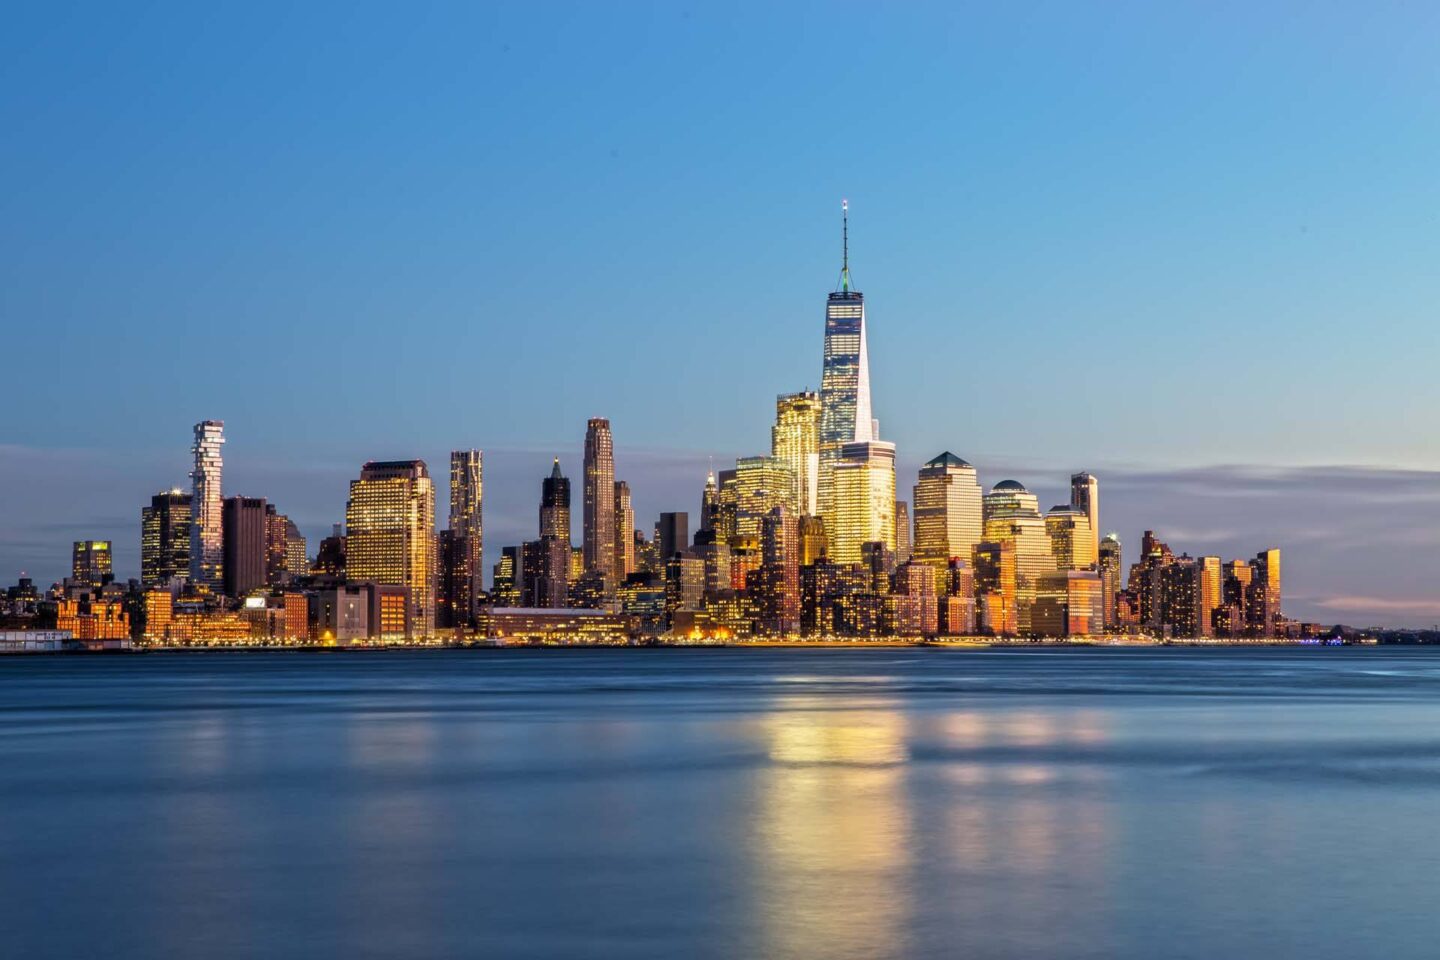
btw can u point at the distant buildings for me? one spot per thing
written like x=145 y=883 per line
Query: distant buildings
x=809 y=540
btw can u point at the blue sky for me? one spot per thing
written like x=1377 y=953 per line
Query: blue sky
x=1131 y=238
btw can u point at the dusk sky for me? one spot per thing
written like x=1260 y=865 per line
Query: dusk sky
x=1191 y=248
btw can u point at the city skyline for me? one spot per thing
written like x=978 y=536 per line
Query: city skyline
x=760 y=564
x=1184 y=245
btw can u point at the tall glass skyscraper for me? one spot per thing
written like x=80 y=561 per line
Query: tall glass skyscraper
x=467 y=531
x=165 y=538
x=599 y=505
x=555 y=505
x=947 y=512
x=1085 y=497
x=795 y=438
x=207 y=530
x=390 y=533
x=845 y=415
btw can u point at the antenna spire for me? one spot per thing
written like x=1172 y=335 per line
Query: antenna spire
x=845 y=240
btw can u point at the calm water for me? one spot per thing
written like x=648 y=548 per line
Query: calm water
x=722 y=803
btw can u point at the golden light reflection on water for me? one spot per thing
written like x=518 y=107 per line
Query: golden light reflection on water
x=832 y=842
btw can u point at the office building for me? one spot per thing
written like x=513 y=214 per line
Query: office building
x=245 y=558
x=555 y=505
x=165 y=538
x=390 y=533
x=1110 y=565
x=948 y=520
x=1071 y=540
x=795 y=439
x=845 y=414
x=1085 y=497
x=91 y=564
x=863 y=505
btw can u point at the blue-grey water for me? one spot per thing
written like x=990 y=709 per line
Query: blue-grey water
x=828 y=804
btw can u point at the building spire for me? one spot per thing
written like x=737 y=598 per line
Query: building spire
x=845 y=246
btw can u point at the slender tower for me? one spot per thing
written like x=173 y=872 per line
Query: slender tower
x=207 y=530
x=555 y=505
x=599 y=534
x=1085 y=497
x=467 y=532
x=845 y=415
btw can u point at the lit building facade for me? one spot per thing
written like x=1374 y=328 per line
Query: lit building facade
x=466 y=575
x=555 y=505
x=624 y=531
x=1085 y=497
x=1012 y=515
x=91 y=563
x=1071 y=540
x=748 y=493
x=390 y=533
x=948 y=518
x=845 y=412
x=165 y=538
x=1110 y=564
x=795 y=439
x=207 y=525
x=599 y=506
x=863 y=506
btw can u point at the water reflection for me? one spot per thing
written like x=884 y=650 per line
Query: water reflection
x=831 y=841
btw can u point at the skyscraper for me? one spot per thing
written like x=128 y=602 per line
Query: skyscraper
x=1263 y=600
x=1085 y=497
x=948 y=519
x=207 y=532
x=863 y=505
x=780 y=571
x=165 y=538
x=624 y=531
x=845 y=415
x=904 y=547
x=390 y=533
x=1012 y=515
x=1109 y=565
x=672 y=533
x=245 y=558
x=555 y=505
x=466 y=576
x=1071 y=540
x=748 y=493
x=795 y=438
x=599 y=506
x=90 y=563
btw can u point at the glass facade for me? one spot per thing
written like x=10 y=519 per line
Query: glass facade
x=390 y=533
x=207 y=532
x=599 y=506
x=165 y=538
x=795 y=438
x=864 y=500
x=947 y=508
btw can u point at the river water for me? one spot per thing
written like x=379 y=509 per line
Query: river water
x=688 y=803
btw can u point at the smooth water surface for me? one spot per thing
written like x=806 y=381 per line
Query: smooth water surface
x=1103 y=803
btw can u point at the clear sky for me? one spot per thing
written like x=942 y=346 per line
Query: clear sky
x=1189 y=247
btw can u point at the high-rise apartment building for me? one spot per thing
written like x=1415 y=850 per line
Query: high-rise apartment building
x=1109 y=563
x=795 y=438
x=245 y=556
x=1212 y=592
x=624 y=531
x=165 y=538
x=297 y=561
x=948 y=521
x=91 y=564
x=845 y=414
x=390 y=533
x=599 y=519
x=555 y=505
x=780 y=571
x=863 y=506
x=1263 y=601
x=465 y=577
x=207 y=526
